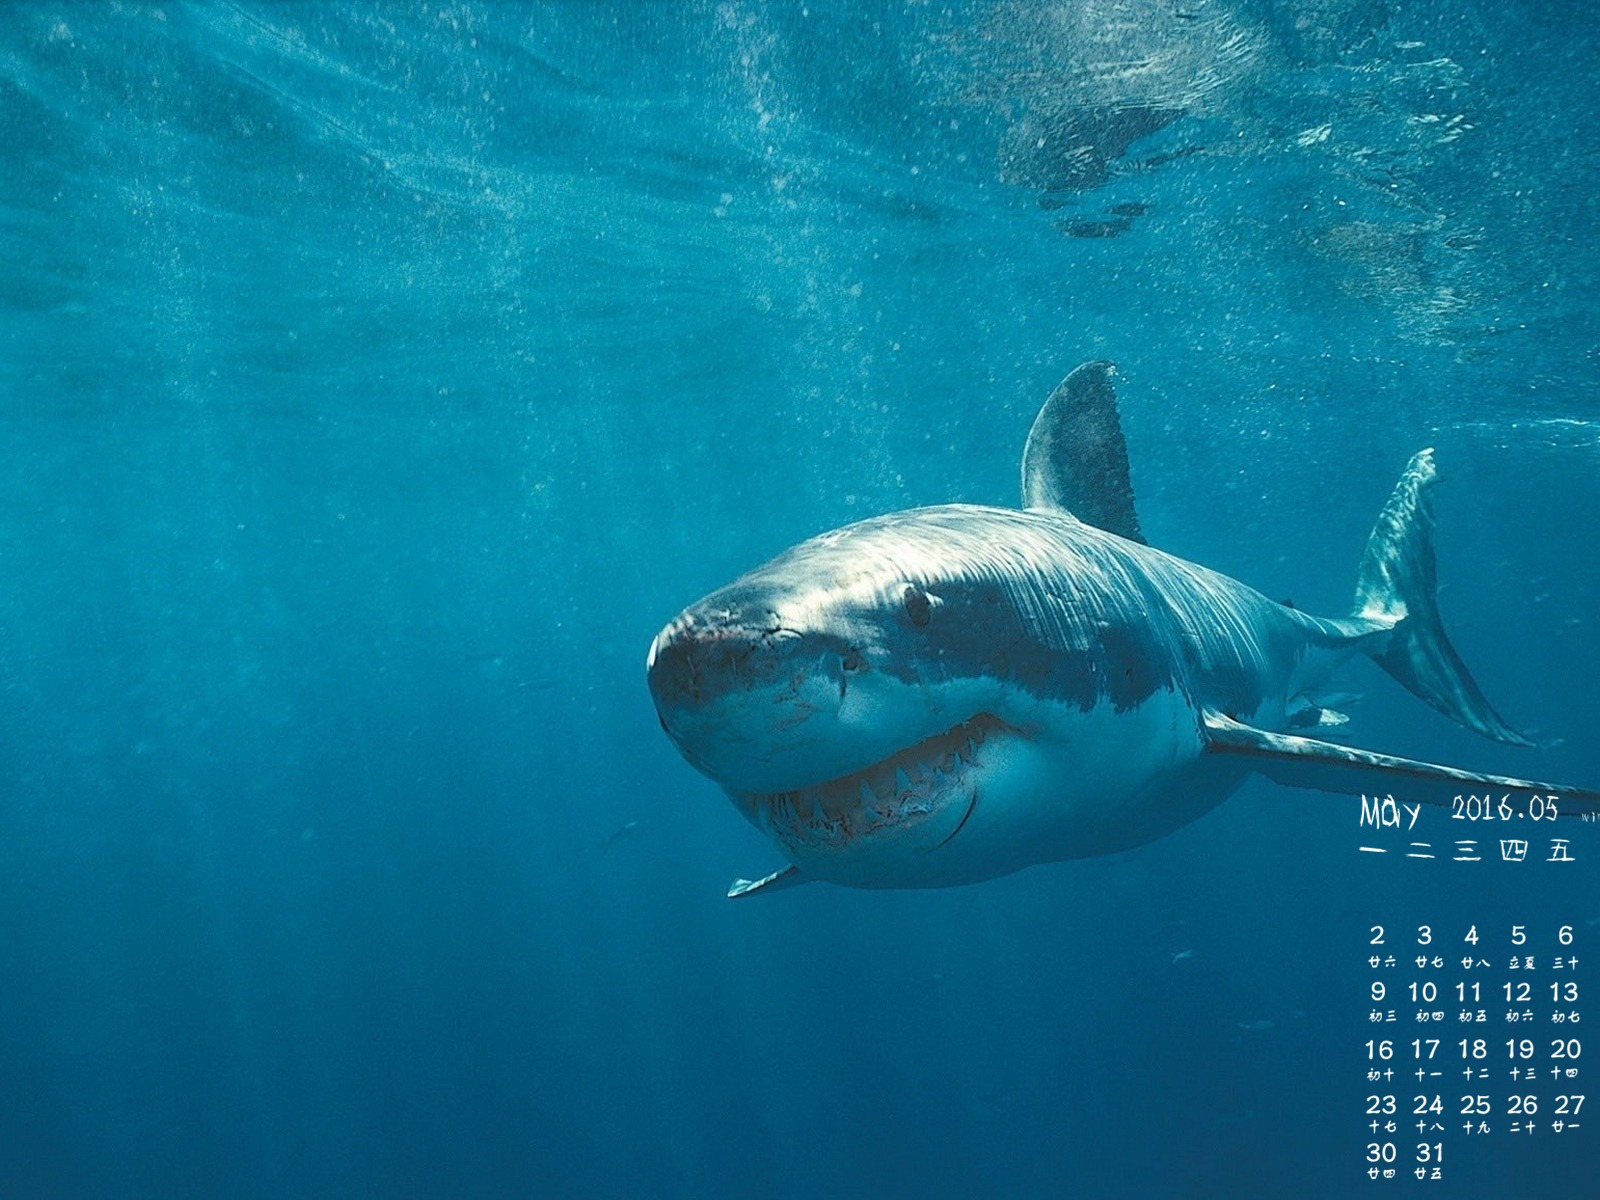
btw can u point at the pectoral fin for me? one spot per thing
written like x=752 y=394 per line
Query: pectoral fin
x=786 y=878
x=1304 y=762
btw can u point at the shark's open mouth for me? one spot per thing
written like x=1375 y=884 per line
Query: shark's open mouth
x=935 y=776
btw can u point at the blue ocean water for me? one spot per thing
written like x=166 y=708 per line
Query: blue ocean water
x=377 y=380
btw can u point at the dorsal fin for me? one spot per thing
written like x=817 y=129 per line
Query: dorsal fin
x=1076 y=459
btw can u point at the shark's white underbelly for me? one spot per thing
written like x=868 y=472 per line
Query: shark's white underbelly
x=1053 y=782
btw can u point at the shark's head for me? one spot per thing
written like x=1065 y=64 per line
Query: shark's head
x=853 y=694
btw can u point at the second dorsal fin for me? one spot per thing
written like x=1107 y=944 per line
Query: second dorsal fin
x=1076 y=459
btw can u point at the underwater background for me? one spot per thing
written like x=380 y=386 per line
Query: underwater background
x=375 y=380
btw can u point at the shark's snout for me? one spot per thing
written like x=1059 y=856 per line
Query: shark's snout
x=700 y=658
x=747 y=697
x=676 y=665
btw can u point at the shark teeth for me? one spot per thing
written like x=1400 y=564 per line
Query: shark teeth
x=896 y=791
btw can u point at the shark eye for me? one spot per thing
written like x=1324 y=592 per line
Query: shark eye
x=918 y=606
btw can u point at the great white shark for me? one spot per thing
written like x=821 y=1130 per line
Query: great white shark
x=949 y=694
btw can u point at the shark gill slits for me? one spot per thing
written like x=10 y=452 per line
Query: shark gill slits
x=918 y=607
x=1130 y=667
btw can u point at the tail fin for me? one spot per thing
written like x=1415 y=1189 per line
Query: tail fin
x=1397 y=580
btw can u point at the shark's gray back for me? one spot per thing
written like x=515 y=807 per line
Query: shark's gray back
x=1039 y=599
